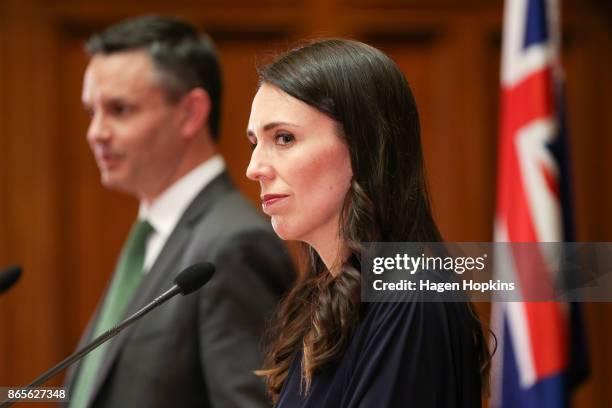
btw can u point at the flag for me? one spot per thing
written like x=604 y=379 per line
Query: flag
x=541 y=351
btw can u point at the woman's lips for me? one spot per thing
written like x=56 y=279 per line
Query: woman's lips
x=269 y=200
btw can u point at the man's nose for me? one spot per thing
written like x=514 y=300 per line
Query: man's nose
x=98 y=130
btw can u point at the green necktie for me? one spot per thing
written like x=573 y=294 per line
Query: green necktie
x=125 y=281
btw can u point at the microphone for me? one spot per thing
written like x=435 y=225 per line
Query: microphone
x=9 y=276
x=188 y=281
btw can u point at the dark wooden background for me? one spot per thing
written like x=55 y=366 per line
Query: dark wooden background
x=66 y=230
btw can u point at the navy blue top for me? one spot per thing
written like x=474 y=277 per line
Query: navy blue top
x=411 y=354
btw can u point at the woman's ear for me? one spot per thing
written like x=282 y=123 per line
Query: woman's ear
x=195 y=109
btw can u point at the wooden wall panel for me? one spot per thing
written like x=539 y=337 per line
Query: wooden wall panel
x=66 y=229
x=4 y=258
x=588 y=105
x=588 y=99
x=31 y=199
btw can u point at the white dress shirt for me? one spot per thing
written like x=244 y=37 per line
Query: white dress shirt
x=165 y=212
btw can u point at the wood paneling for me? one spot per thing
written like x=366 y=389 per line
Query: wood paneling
x=66 y=230
x=4 y=258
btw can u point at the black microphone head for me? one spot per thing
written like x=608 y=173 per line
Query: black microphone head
x=9 y=276
x=194 y=277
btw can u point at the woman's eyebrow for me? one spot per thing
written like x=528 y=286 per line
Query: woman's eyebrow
x=270 y=126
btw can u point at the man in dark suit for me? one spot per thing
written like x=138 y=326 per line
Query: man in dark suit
x=153 y=89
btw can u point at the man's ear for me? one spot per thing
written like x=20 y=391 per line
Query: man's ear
x=195 y=108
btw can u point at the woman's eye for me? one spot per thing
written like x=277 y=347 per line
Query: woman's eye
x=284 y=138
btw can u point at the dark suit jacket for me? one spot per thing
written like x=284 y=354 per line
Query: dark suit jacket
x=200 y=350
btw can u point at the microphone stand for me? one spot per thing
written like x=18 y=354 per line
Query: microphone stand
x=174 y=290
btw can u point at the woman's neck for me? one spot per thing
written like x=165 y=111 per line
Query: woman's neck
x=333 y=253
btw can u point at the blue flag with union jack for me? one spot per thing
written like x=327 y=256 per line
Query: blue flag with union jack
x=541 y=352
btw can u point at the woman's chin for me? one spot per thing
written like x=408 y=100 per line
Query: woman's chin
x=282 y=229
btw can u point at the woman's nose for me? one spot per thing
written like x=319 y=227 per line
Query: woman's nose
x=259 y=167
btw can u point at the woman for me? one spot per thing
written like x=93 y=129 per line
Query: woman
x=337 y=153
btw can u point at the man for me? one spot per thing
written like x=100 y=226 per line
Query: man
x=153 y=89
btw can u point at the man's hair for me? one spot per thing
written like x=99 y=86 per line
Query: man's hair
x=185 y=58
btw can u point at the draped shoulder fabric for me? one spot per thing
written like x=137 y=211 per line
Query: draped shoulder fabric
x=412 y=354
